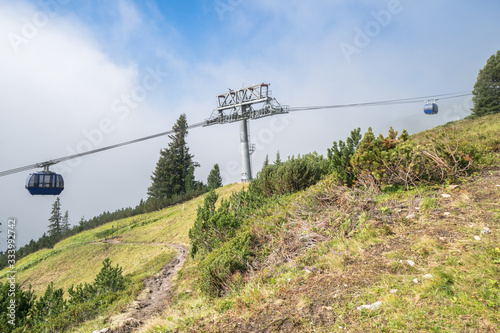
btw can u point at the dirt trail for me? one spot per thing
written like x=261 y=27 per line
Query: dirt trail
x=153 y=299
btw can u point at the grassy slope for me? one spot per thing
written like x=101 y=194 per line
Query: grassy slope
x=140 y=249
x=334 y=250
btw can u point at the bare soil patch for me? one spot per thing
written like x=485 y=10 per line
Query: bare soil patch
x=155 y=296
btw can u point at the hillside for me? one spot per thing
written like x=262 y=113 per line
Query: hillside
x=321 y=257
x=141 y=245
x=430 y=256
x=326 y=258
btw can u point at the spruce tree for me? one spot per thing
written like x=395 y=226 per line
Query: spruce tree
x=65 y=222
x=109 y=279
x=278 y=159
x=214 y=179
x=55 y=225
x=487 y=88
x=190 y=182
x=173 y=166
x=266 y=161
x=81 y=224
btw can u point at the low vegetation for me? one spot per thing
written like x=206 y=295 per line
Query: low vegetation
x=52 y=313
x=307 y=258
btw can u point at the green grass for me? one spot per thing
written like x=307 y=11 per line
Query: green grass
x=142 y=249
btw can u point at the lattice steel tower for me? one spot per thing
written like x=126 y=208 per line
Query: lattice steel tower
x=241 y=105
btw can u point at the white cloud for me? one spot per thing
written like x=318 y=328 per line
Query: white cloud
x=56 y=87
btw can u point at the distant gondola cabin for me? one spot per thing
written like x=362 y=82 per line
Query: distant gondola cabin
x=430 y=108
x=45 y=183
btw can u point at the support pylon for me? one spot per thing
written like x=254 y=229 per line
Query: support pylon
x=246 y=171
x=252 y=102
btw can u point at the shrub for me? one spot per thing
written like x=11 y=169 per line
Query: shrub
x=212 y=226
x=81 y=294
x=218 y=267
x=340 y=158
x=449 y=157
x=293 y=175
x=24 y=301
x=398 y=161
x=49 y=305
x=109 y=279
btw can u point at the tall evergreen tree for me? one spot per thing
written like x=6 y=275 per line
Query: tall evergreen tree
x=172 y=169
x=81 y=224
x=214 y=179
x=55 y=225
x=190 y=182
x=487 y=88
x=65 y=222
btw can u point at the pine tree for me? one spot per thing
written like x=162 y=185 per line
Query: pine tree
x=278 y=159
x=173 y=167
x=55 y=225
x=24 y=301
x=214 y=179
x=266 y=161
x=49 y=305
x=487 y=88
x=340 y=157
x=109 y=279
x=81 y=224
x=190 y=182
x=65 y=222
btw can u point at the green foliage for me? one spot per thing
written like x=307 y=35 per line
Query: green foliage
x=487 y=88
x=51 y=312
x=217 y=233
x=70 y=317
x=218 y=267
x=15 y=314
x=190 y=182
x=109 y=279
x=340 y=157
x=174 y=166
x=81 y=294
x=245 y=202
x=213 y=226
x=86 y=300
x=291 y=176
x=49 y=305
x=65 y=222
x=214 y=180
x=55 y=225
x=373 y=153
x=278 y=159
x=266 y=161
x=399 y=161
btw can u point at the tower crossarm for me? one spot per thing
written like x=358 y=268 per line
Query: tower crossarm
x=247 y=103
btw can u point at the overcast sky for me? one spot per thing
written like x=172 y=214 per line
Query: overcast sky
x=78 y=75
